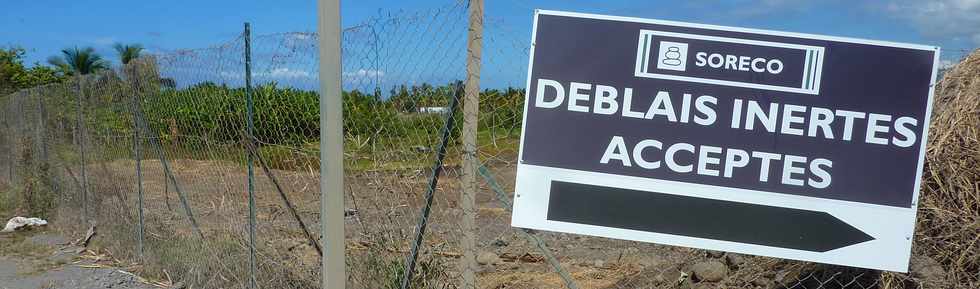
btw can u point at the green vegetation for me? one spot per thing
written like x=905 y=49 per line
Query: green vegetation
x=15 y=76
x=208 y=115
x=77 y=61
x=128 y=52
x=287 y=121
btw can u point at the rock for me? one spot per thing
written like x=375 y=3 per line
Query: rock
x=599 y=263
x=487 y=258
x=500 y=243
x=711 y=271
x=671 y=276
x=715 y=254
x=734 y=260
x=928 y=271
x=763 y=282
x=651 y=261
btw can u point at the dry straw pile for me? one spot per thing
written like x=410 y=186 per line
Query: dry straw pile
x=947 y=246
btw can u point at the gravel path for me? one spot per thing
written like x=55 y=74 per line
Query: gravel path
x=42 y=261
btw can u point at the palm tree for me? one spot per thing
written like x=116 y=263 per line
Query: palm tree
x=79 y=61
x=128 y=52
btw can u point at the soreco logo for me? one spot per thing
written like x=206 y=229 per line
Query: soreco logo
x=672 y=56
x=731 y=62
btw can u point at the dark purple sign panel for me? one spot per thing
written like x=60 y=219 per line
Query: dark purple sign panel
x=808 y=117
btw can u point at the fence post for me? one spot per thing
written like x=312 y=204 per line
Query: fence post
x=333 y=267
x=248 y=157
x=80 y=132
x=18 y=143
x=471 y=109
x=32 y=94
x=11 y=159
x=43 y=122
x=138 y=155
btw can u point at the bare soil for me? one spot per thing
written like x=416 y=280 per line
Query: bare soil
x=384 y=208
x=45 y=260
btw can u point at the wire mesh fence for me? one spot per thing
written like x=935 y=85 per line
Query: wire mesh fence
x=155 y=155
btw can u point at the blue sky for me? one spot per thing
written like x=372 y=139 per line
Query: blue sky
x=45 y=26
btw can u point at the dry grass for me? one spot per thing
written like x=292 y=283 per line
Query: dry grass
x=949 y=215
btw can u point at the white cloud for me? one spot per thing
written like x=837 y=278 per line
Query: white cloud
x=751 y=8
x=956 y=19
x=364 y=73
x=764 y=7
x=231 y=74
x=283 y=72
x=277 y=73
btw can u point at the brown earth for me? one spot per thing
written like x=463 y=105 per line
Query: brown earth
x=387 y=206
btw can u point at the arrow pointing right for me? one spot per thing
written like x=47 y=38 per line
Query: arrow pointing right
x=700 y=217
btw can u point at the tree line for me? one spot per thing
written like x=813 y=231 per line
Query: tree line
x=214 y=112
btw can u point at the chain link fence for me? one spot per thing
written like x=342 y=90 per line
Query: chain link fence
x=158 y=156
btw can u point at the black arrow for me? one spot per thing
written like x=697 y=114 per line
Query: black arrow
x=701 y=218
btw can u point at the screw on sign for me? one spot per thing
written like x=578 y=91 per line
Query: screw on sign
x=777 y=144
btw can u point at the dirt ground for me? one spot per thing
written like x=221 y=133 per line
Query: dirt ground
x=383 y=209
x=45 y=260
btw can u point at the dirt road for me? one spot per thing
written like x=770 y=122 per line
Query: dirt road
x=45 y=260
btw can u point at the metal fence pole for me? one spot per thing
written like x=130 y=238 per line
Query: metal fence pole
x=248 y=157
x=471 y=109
x=43 y=134
x=18 y=143
x=38 y=123
x=333 y=264
x=429 y=194
x=11 y=160
x=80 y=131
x=138 y=155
